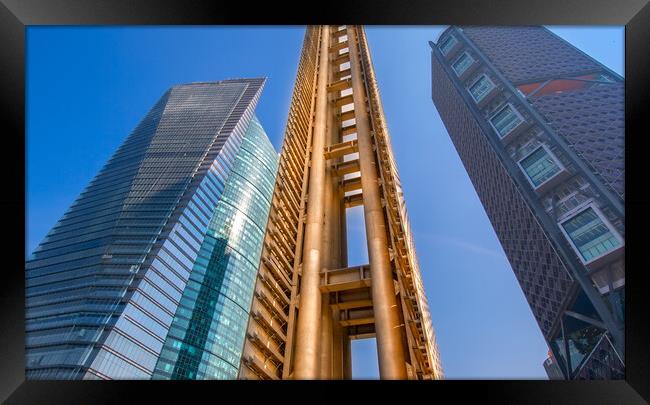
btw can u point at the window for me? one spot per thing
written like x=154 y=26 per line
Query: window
x=590 y=235
x=448 y=44
x=582 y=338
x=540 y=166
x=481 y=88
x=506 y=120
x=462 y=63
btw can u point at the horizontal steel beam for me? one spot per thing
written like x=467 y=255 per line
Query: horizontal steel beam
x=345 y=279
x=352 y=304
x=341 y=149
x=347 y=167
x=255 y=365
x=338 y=75
x=339 y=33
x=360 y=321
x=341 y=59
x=351 y=184
x=255 y=338
x=345 y=100
x=360 y=336
x=340 y=85
x=349 y=130
x=366 y=331
x=338 y=46
x=345 y=116
x=353 y=200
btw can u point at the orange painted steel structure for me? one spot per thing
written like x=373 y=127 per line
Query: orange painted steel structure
x=308 y=305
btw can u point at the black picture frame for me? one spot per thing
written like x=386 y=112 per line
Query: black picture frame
x=16 y=15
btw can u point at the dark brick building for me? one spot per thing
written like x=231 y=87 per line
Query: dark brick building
x=539 y=126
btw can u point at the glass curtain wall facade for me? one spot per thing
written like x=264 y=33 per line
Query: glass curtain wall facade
x=539 y=126
x=115 y=273
x=207 y=334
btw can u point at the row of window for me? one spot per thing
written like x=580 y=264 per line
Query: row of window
x=507 y=118
x=587 y=230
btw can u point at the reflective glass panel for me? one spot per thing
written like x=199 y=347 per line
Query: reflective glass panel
x=505 y=120
x=582 y=337
x=447 y=44
x=481 y=88
x=590 y=234
x=462 y=63
x=539 y=166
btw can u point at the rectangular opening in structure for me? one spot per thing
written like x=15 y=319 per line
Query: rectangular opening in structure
x=356 y=236
x=364 y=359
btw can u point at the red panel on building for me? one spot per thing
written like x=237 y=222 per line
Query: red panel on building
x=556 y=86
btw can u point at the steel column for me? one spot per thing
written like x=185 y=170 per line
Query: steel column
x=338 y=332
x=308 y=323
x=390 y=347
x=347 y=358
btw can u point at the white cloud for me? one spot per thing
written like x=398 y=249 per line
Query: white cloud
x=461 y=244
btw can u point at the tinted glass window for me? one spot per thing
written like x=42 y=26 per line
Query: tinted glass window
x=462 y=63
x=539 y=166
x=447 y=44
x=481 y=88
x=590 y=234
x=505 y=120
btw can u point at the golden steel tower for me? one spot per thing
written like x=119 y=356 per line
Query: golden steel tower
x=308 y=304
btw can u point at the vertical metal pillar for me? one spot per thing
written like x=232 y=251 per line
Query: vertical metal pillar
x=326 y=339
x=338 y=332
x=308 y=328
x=316 y=344
x=390 y=348
x=326 y=313
x=347 y=358
x=331 y=244
x=337 y=347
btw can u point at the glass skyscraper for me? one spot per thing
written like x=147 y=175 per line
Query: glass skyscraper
x=151 y=271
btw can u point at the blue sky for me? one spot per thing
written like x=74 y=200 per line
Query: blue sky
x=88 y=87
